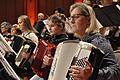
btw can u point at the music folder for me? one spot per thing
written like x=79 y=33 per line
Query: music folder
x=5 y=48
x=108 y=15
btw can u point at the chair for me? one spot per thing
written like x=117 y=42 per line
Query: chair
x=117 y=56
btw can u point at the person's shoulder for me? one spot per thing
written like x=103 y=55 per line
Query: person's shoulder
x=102 y=43
x=32 y=34
x=100 y=39
x=97 y=39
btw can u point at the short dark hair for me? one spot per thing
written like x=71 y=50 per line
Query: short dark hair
x=60 y=10
x=58 y=20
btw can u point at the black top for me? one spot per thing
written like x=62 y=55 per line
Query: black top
x=59 y=38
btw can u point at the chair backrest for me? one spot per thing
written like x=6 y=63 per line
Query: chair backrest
x=117 y=56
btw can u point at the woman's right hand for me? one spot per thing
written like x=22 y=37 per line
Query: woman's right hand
x=81 y=73
x=47 y=60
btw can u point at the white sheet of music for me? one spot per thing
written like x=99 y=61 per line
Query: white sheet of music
x=5 y=45
x=8 y=68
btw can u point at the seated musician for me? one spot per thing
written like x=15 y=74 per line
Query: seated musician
x=5 y=28
x=15 y=30
x=57 y=32
x=5 y=31
x=84 y=26
x=28 y=32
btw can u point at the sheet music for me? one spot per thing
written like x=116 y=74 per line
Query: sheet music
x=2 y=50
x=108 y=15
x=7 y=67
x=118 y=6
x=5 y=46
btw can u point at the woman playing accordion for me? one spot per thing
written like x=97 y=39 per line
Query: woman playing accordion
x=28 y=32
x=56 y=29
x=84 y=25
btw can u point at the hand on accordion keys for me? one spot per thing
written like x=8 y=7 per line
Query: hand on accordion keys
x=81 y=73
x=24 y=55
x=47 y=60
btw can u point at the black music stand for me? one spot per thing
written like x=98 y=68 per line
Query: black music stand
x=108 y=15
x=5 y=49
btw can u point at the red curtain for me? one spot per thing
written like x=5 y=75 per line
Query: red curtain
x=78 y=1
x=30 y=9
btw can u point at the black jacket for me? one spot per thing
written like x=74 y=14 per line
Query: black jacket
x=59 y=38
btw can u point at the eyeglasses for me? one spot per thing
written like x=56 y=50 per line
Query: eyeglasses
x=75 y=16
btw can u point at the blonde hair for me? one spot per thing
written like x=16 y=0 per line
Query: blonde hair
x=27 y=22
x=88 y=11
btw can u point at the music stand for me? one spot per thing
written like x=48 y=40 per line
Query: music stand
x=108 y=15
x=5 y=48
x=8 y=68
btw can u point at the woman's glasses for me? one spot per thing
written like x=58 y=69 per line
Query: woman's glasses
x=75 y=16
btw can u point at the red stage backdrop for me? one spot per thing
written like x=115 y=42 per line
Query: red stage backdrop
x=10 y=10
x=78 y=1
x=30 y=9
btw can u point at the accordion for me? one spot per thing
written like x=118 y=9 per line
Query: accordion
x=28 y=47
x=73 y=52
x=43 y=49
